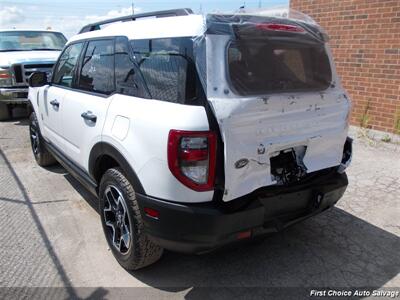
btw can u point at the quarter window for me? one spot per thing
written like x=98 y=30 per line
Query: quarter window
x=64 y=70
x=97 y=72
x=167 y=68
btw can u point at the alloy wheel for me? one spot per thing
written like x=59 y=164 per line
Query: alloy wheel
x=34 y=138
x=117 y=219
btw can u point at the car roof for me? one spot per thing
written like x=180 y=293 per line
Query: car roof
x=150 y=28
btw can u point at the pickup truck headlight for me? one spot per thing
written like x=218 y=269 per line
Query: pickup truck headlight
x=5 y=76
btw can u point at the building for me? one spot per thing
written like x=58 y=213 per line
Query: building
x=365 y=40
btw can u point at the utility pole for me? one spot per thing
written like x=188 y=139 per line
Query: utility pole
x=201 y=9
x=259 y=4
x=133 y=8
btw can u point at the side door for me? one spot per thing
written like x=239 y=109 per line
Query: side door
x=53 y=94
x=85 y=106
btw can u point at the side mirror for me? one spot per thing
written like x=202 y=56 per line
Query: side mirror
x=38 y=79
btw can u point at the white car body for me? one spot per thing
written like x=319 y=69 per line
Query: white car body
x=233 y=153
x=316 y=120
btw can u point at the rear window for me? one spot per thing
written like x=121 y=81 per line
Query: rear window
x=259 y=67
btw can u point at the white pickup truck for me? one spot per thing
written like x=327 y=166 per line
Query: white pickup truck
x=23 y=52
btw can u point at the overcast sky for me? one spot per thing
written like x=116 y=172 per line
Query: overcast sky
x=69 y=16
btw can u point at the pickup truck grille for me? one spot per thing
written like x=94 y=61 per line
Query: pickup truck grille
x=23 y=71
x=18 y=73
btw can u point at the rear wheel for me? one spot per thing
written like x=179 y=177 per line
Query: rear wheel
x=122 y=223
x=4 y=112
x=39 y=150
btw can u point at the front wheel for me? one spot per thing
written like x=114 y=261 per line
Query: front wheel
x=122 y=223
x=39 y=150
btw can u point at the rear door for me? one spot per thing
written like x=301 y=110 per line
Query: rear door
x=53 y=95
x=85 y=107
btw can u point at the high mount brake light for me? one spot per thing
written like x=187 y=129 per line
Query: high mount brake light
x=191 y=158
x=280 y=27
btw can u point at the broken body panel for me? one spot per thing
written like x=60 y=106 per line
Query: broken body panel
x=259 y=130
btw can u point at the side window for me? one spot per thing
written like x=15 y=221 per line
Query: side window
x=127 y=77
x=167 y=68
x=64 y=70
x=97 y=72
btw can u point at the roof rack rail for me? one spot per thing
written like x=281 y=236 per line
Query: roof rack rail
x=157 y=14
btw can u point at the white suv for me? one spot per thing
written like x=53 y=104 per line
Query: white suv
x=195 y=132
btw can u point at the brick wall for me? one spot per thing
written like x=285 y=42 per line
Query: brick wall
x=365 y=40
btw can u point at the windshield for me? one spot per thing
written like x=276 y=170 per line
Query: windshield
x=258 y=67
x=31 y=40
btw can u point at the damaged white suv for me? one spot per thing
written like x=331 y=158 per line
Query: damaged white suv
x=195 y=131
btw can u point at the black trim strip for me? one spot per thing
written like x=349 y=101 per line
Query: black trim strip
x=81 y=175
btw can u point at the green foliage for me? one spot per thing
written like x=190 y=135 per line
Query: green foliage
x=386 y=139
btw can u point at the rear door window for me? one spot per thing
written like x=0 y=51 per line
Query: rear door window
x=97 y=71
x=127 y=76
x=167 y=68
x=260 y=67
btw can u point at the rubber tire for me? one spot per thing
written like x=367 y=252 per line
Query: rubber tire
x=4 y=112
x=143 y=252
x=43 y=157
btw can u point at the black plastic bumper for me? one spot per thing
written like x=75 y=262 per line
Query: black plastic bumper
x=197 y=228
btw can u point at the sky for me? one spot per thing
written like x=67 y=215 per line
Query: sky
x=70 y=15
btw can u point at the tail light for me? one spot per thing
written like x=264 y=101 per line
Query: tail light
x=279 y=27
x=191 y=158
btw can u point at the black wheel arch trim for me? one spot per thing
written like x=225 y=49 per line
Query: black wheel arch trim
x=103 y=148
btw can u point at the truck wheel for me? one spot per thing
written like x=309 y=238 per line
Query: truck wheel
x=41 y=154
x=4 y=112
x=123 y=224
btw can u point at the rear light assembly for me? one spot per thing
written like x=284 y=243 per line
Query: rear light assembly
x=192 y=158
x=280 y=27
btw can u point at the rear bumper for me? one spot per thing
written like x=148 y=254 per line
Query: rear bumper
x=14 y=95
x=198 y=228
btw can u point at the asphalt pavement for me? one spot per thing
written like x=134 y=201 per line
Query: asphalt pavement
x=51 y=236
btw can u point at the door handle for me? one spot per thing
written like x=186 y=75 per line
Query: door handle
x=89 y=116
x=55 y=103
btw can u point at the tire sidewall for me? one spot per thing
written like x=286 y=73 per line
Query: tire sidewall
x=109 y=180
x=34 y=123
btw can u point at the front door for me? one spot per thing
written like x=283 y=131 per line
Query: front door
x=51 y=108
x=50 y=112
x=85 y=107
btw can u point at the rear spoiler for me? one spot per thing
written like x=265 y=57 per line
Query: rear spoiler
x=157 y=14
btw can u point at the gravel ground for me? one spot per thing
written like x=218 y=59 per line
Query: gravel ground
x=51 y=236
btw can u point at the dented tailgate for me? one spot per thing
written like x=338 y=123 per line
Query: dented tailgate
x=310 y=125
x=254 y=130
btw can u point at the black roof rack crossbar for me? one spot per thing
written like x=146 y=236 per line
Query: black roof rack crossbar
x=157 y=14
